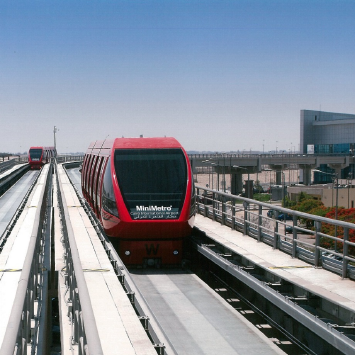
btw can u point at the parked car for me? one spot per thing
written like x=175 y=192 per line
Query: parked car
x=270 y=213
x=289 y=229
x=284 y=216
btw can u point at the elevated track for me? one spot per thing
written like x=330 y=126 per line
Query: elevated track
x=55 y=256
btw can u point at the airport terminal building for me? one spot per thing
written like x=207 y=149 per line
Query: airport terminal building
x=328 y=133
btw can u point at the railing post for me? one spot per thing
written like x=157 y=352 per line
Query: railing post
x=260 y=222
x=223 y=211
x=233 y=212
x=276 y=232
x=317 y=245
x=294 y=244
x=213 y=207
x=345 y=252
x=245 y=225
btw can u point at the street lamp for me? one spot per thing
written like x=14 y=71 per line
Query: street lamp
x=336 y=179
x=55 y=130
x=224 y=173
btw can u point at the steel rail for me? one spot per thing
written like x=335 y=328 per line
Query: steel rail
x=18 y=331
x=85 y=330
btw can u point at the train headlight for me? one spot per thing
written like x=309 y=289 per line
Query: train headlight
x=175 y=252
x=127 y=253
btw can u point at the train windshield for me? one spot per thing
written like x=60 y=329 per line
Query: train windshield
x=35 y=154
x=152 y=181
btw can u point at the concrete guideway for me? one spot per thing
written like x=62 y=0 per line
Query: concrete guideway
x=338 y=294
x=13 y=258
x=318 y=281
x=11 y=170
x=196 y=319
x=10 y=176
x=25 y=292
x=118 y=326
x=10 y=201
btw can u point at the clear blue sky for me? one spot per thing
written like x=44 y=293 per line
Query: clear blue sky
x=217 y=75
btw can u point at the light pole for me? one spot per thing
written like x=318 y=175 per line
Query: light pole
x=224 y=173
x=55 y=130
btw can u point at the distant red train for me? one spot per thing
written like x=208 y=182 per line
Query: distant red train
x=38 y=156
x=142 y=191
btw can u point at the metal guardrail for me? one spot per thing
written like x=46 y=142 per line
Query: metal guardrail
x=84 y=329
x=65 y=158
x=223 y=207
x=265 y=155
x=24 y=321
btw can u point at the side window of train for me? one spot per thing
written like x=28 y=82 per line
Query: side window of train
x=87 y=174
x=91 y=175
x=96 y=179
x=84 y=173
x=99 y=186
x=108 y=195
x=83 y=170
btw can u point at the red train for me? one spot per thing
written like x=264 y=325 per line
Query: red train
x=38 y=156
x=142 y=191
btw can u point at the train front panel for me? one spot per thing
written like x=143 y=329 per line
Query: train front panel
x=35 y=157
x=147 y=206
x=38 y=156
